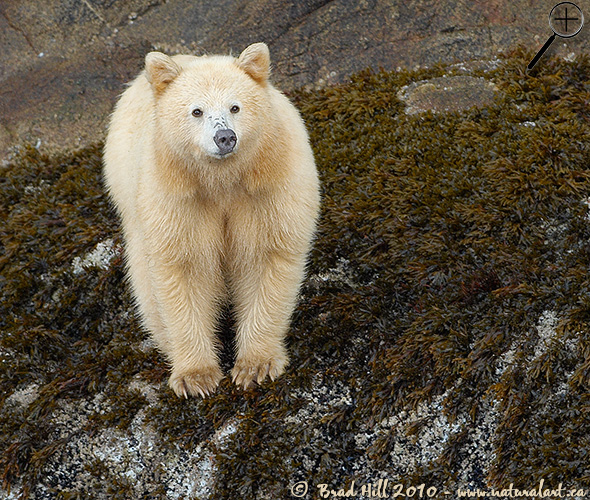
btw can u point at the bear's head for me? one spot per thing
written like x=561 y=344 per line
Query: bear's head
x=211 y=108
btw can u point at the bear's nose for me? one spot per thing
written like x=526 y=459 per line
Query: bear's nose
x=226 y=140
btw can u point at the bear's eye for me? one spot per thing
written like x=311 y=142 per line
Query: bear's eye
x=235 y=108
x=197 y=112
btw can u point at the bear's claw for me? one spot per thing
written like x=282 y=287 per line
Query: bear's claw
x=246 y=373
x=196 y=383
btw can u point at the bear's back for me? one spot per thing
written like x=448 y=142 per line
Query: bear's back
x=128 y=143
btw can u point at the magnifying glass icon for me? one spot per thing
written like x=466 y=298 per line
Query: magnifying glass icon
x=565 y=20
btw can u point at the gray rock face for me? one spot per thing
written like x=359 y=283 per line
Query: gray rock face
x=64 y=63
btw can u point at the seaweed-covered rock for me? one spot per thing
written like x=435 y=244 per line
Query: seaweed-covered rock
x=442 y=337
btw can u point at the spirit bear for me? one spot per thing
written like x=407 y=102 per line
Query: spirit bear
x=211 y=171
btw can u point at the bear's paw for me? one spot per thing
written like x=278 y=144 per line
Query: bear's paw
x=246 y=372
x=201 y=382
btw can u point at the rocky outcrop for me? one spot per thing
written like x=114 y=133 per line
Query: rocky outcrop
x=63 y=63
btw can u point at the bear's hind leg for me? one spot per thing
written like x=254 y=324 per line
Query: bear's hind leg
x=142 y=288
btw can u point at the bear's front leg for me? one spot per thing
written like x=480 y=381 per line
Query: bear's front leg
x=265 y=291
x=189 y=297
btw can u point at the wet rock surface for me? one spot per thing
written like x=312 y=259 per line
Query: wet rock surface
x=64 y=63
x=447 y=94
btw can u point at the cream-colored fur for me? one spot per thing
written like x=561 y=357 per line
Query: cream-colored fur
x=201 y=226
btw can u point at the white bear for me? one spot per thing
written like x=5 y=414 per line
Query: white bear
x=211 y=171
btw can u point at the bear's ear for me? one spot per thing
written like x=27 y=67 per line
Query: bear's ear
x=160 y=70
x=255 y=61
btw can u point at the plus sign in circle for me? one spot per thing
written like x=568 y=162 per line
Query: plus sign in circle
x=566 y=19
